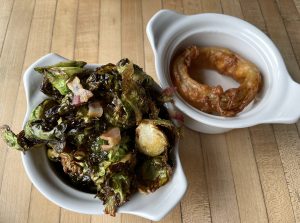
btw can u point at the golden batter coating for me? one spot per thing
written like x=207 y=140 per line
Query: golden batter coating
x=213 y=99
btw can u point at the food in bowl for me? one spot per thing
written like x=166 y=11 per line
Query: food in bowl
x=213 y=99
x=91 y=125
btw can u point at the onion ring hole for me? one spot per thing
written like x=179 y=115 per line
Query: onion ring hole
x=186 y=70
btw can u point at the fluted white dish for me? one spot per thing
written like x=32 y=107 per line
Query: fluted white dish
x=168 y=32
x=153 y=206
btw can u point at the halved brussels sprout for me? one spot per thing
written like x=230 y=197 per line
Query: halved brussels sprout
x=150 y=140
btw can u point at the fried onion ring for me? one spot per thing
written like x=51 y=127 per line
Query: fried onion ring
x=213 y=99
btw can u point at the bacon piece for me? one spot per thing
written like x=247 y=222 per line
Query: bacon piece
x=177 y=116
x=113 y=137
x=95 y=109
x=169 y=91
x=78 y=90
x=76 y=100
x=167 y=94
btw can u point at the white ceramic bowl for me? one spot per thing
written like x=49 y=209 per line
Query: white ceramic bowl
x=153 y=206
x=169 y=32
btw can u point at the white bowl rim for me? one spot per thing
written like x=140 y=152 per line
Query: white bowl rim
x=287 y=112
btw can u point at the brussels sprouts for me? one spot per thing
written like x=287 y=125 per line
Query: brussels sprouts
x=154 y=173
x=150 y=140
x=117 y=188
x=106 y=129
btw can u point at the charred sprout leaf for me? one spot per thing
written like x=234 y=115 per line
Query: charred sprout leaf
x=59 y=76
x=10 y=138
x=143 y=79
x=48 y=89
x=116 y=189
x=38 y=131
x=60 y=73
x=120 y=151
x=58 y=146
x=133 y=93
x=105 y=79
x=74 y=164
x=66 y=105
x=120 y=113
x=70 y=63
x=154 y=173
x=40 y=111
x=19 y=141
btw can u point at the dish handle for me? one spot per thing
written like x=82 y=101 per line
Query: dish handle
x=289 y=112
x=158 y=24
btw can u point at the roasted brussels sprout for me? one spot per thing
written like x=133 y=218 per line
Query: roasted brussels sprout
x=154 y=173
x=150 y=140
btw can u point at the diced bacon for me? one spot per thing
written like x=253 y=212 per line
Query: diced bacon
x=169 y=91
x=78 y=91
x=95 y=109
x=113 y=137
x=76 y=100
x=177 y=116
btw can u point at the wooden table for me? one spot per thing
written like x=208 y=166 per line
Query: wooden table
x=247 y=175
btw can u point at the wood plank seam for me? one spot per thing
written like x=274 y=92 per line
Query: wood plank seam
x=99 y=28
x=181 y=217
x=256 y=165
x=206 y=178
x=284 y=171
x=53 y=25
x=288 y=34
x=265 y=27
x=142 y=34
x=288 y=19
x=6 y=28
x=75 y=32
x=222 y=10
x=297 y=4
x=29 y=207
x=121 y=31
x=234 y=184
x=14 y=103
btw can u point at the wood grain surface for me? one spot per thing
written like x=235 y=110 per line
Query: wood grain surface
x=246 y=175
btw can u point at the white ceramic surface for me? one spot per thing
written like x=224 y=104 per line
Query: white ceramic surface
x=169 y=32
x=153 y=206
